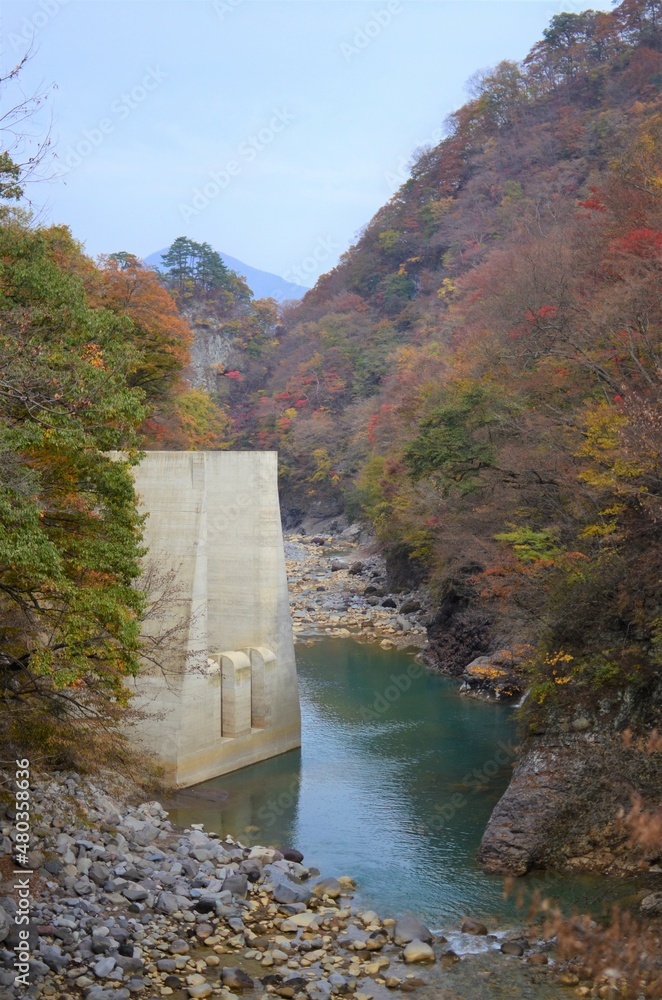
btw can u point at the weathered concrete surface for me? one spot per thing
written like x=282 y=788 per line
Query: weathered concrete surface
x=229 y=695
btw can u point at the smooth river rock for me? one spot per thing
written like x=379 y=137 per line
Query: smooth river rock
x=410 y=929
x=418 y=951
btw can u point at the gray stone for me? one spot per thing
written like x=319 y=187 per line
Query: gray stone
x=129 y=964
x=53 y=866
x=115 y=885
x=166 y=903
x=166 y=965
x=288 y=892
x=410 y=929
x=321 y=989
x=53 y=957
x=135 y=894
x=252 y=869
x=651 y=905
x=236 y=979
x=339 y=983
x=104 y=967
x=5 y=923
x=237 y=884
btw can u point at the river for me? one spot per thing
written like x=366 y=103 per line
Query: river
x=394 y=784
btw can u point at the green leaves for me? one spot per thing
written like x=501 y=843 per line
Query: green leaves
x=69 y=527
x=454 y=442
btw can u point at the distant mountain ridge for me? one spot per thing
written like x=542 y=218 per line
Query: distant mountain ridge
x=263 y=284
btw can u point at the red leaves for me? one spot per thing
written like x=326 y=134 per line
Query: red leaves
x=236 y=375
x=594 y=202
x=544 y=312
x=643 y=243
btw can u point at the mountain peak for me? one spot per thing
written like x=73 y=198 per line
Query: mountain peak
x=263 y=284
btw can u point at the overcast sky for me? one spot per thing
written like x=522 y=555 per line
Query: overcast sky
x=272 y=129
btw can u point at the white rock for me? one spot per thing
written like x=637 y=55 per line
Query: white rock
x=418 y=951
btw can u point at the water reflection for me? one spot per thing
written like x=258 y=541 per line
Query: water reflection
x=394 y=785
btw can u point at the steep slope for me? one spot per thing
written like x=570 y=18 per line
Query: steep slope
x=481 y=380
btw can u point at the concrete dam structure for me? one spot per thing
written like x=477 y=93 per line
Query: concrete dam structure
x=224 y=693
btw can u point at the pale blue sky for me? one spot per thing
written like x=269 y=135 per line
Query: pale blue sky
x=306 y=111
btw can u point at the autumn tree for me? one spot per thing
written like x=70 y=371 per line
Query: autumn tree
x=70 y=531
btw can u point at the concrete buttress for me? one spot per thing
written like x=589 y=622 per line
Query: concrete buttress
x=225 y=693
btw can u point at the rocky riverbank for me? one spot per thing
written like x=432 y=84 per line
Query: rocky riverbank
x=121 y=903
x=565 y=807
x=338 y=587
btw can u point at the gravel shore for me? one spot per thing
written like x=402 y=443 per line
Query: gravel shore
x=337 y=588
x=123 y=904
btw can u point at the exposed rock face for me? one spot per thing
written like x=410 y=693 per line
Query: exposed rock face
x=212 y=345
x=564 y=806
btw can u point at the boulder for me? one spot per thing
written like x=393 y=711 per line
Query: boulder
x=237 y=884
x=289 y=892
x=418 y=951
x=410 y=929
x=327 y=887
x=471 y=926
x=291 y=854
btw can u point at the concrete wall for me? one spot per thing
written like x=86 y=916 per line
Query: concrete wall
x=228 y=696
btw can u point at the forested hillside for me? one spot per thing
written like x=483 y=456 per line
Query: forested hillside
x=479 y=378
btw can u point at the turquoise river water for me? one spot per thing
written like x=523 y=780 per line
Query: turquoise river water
x=394 y=784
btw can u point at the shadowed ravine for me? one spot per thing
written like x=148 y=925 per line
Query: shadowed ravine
x=392 y=786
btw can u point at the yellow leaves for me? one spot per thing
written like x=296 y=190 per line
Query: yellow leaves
x=446 y=289
x=559 y=659
x=290 y=412
x=389 y=238
x=322 y=461
x=554 y=659
x=94 y=356
x=602 y=445
x=204 y=424
x=640 y=164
